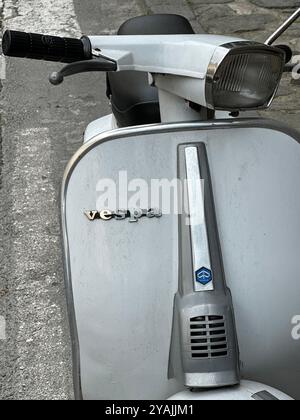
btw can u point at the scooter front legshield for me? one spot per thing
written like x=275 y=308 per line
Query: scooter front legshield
x=122 y=276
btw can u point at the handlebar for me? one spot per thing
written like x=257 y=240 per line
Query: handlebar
x=78 y=52
x=46 y=47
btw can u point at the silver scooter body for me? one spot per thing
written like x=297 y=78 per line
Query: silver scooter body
x=122 y=277
x=234 y=273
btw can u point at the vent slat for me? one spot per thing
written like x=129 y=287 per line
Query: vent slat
x=217 y=332
x=213 y=322
x=198 y=327
x=198 y=349
x=202 y=356
x=216 y=318
x=215 y=326
x=199 y=333
x=202 y=341
x=199 y=319
x=218 y=340
x=219 y=347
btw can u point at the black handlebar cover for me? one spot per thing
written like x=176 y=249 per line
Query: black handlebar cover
x=46 y=47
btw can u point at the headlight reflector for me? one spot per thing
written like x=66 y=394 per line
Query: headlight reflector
x=244 y=77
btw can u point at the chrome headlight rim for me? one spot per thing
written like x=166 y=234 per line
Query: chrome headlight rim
x=225 y=50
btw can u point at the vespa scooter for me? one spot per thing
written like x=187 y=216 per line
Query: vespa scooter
x=190 y=302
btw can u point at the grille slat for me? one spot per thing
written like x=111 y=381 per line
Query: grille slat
x=198 y=349
x=198 y=327
x=208 y=337
x=217 y=332
x=213 y=322
x=219 y=340
x=220 y=347
x=202 y=341
x=216 y=318
x=202 y=356
x=198 y=319
x=216 y=326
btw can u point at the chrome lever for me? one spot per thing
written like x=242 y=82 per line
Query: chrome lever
x=100 y=64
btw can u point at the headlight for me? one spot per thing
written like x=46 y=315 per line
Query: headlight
x=243 y=76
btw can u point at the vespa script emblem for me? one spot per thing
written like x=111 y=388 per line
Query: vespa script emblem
x=133 y=215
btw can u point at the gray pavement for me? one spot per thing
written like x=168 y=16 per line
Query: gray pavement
x=41 y=127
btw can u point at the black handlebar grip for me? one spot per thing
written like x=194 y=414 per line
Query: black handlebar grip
x=46 y=47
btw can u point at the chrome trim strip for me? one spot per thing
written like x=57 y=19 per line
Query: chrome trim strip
x=199 y=236
x=215 y=62
x=131 y=132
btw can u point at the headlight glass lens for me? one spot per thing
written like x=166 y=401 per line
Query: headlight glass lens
x=247 y=80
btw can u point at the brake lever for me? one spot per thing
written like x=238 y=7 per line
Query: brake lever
x=99 y=64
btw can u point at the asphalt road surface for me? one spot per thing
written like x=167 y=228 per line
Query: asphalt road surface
x=41 y=127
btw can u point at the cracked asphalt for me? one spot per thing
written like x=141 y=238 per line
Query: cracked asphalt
x=41 y=127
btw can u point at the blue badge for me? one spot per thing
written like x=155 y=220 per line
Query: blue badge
x=204 y=276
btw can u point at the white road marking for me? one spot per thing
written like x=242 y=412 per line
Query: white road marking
x=41 y=16
x=2 y=58
x=2 y=67
x=2 y=328
x=54 y=17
